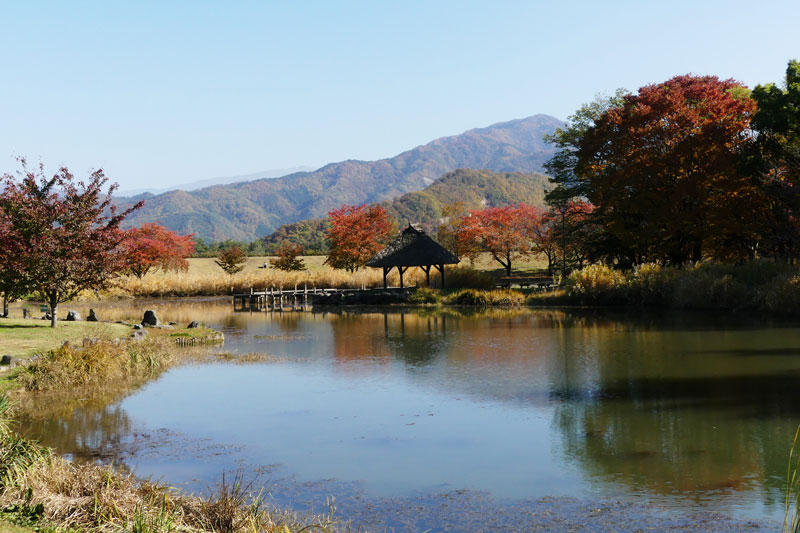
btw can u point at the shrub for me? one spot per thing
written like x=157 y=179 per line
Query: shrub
x=485 y=298
x=424 y=296
x=596 y=283
x=468 y=278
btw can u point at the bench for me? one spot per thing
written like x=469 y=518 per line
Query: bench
x=539 y=282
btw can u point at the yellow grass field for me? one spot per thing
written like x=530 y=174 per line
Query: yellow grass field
x=205 y=278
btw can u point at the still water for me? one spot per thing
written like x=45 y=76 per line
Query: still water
x=676 y=414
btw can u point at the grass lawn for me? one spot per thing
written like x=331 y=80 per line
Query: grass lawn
x=22 y=338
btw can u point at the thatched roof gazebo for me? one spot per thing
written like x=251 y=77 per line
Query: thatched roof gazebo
x=413 y=248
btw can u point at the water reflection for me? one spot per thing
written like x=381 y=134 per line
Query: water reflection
x=535 y=402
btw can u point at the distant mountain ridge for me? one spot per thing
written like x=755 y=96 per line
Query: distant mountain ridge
x=467 y=188
x=224 y=180
x=245 y=211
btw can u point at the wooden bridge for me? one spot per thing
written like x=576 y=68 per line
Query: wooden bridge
x=300 y=299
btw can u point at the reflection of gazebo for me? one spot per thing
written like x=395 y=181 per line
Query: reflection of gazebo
x=413 y=248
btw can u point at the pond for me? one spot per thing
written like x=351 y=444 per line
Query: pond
x=451 y=420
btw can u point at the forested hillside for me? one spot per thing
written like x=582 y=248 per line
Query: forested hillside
x=245 y=211
x=461 y=190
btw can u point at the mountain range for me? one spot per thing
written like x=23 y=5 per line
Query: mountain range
x=462 y=190
x=194 y=185
x=246 y=211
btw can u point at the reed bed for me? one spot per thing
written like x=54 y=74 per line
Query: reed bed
x=205 y=278
x=218 y=284
x=761 y=285
x=99 y=363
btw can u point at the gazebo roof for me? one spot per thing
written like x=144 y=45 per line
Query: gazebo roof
x=413 y=247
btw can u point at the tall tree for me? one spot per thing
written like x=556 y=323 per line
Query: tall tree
x=662 y=171
x=567 y=141
x=153 y=246
x=14 y=280
x=63 y=233
x=288 y=257
x=507 y=233
x=355 y=235
x=776 y=159
x=231 y=259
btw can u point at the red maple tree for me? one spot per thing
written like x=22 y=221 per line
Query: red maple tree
x=153 y=246
x=662 y=170
x=507 y=233
x=61 y=232
x=355 y=235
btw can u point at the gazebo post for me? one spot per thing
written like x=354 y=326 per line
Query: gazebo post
x=385 y=272
x=400 y=269
x=441 y=270
x=427 y=270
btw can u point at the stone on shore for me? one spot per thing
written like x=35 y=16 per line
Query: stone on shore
x=73 y=316
x=193 y=324
x=150 y=318
x=92 y=317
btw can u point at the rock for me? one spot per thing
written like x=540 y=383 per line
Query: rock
x=150 y=318
x=193 y=324
x=92 y=317
x=138 y=326
x=73 y=316
x=26 y=313
x=6 y=360
x=165 y=326
x=172 y=323
x=139 y=334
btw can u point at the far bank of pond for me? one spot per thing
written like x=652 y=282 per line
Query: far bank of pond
x=431 y=418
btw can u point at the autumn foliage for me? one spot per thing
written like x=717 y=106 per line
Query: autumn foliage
x=153 y=246
x=355 y=235
x=507 y=233
x=288 y=257
x=59 y=235
x=231 y=259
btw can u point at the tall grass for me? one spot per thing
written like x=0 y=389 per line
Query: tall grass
x=217 y=284
x=757 y=285
x=791 y=521
x=67 y=367
x=481 y=298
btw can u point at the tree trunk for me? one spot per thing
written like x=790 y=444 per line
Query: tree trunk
x=508 y=264
x=53 y=310
x=5 y=305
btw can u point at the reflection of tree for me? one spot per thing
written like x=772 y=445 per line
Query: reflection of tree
x=676 y=410
x=288 y=322
x=414 y=339
x=410 y=337
x=90 y=428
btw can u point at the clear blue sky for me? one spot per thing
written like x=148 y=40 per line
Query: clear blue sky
x=160 y=93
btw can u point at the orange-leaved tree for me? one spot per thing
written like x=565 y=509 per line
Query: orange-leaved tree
x=153 y=246
x=355 y=234
x=507 y=233
x=288 y=257
x=663 y=171
x=231 y=259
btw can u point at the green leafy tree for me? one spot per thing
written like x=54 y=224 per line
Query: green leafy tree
x=775 y=160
